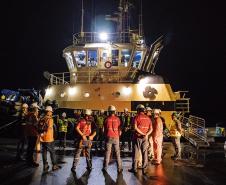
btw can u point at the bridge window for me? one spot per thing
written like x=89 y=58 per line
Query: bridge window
x=80 y=58
x=92 y=58
x=114 y=57
x=137 y=58
x=69 y=60
x=125 y=56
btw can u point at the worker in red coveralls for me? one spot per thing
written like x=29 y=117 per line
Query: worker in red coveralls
x=143 y=128
x=112 y=132
x=86 y=131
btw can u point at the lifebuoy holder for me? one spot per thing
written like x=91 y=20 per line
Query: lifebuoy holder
x=107 y=64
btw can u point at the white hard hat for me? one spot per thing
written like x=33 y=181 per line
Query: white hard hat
x=24 y=105
x=88 y=112
x=34 y=105
x=140 y=106
x=126 y=110
x=148 y=109
x=49 y=108
x=111 y=108
x=156 y=111
x=102 y=110
x=64 y=114
x=160 y=110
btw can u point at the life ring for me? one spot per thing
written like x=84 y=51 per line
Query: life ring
x=107 y=64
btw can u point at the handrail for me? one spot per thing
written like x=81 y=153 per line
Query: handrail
x=89 y=37
x=7 y=125
x=89 y=76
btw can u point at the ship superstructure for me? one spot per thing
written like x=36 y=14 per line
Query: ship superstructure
x=114 y=69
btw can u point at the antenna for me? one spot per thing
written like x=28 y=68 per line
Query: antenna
x=82 y=17
x=141 y=19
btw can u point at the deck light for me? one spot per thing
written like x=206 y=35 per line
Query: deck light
x=86 y=94
x=103 y=36
x=71 y=91
x=127 y=90
x=49 y=91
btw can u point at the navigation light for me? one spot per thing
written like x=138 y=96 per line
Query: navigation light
x=103 y=36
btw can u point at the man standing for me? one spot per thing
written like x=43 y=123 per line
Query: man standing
x=86 y=131
x=157 y=137
x=143 y=128
x=175 y=134
x=22 y=127
x=126 y=129
x=47 y=139
x=32 y=133
x=112 y=133
x=100 y=123
x=62 y=124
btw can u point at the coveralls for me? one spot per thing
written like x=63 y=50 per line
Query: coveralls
x=140 y=142
x=22 y=133
x=157 y=136
x=175 y=134
x=112 y=133
x=63 y=123
x=32 y=135
x=47 y=142
x=126 y=130
x=100 y=135
x=87 y=127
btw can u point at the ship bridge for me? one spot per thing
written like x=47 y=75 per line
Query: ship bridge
x=107 y=58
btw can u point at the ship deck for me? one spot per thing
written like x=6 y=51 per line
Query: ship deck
x=208 y=172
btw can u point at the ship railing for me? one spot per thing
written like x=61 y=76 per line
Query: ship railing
x=105 y=76
x=182 y=102
x=92 y=37
x=59 y=78
x=194 y=130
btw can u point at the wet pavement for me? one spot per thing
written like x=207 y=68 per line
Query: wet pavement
x=212 y=171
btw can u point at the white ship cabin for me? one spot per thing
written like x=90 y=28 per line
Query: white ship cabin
x=106 y=58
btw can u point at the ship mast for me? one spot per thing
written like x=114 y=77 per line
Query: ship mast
x=82 y=20
x=141 y=19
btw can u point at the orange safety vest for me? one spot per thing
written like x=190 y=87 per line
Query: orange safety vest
x=47 y=136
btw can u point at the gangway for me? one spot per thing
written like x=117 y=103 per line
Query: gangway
x=194 y=131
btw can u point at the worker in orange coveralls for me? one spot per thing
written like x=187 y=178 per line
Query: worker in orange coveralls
x=157 y=136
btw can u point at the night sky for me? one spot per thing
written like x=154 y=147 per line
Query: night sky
x=34 y=33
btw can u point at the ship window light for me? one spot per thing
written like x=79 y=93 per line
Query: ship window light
x=114 y=59
x=103 y=36
x=127 y=90
x=92 y=58
x=125 y=57
x=71 y=91
x=137 y=58
x=69 y=60
x=80 y=58
x=49 y=91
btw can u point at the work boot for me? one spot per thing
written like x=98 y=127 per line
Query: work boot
x=73 y=169
x=56 y=167
x=46 y=167
x=144 y=171
x=33 y=164
x=132 y=170
x=104 y=170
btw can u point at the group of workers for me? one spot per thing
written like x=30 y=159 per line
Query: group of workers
x=35 y=127
x=143 y=132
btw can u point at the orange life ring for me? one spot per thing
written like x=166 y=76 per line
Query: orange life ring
x=107 y=64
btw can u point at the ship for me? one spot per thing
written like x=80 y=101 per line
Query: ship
x=114 y=69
